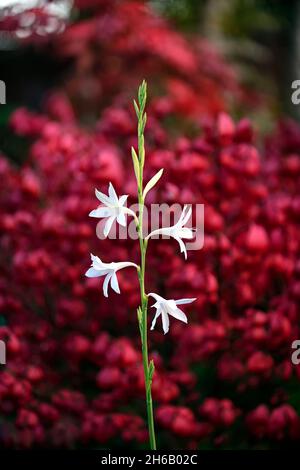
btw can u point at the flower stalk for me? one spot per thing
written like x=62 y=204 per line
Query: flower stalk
x=143 y=309
x=114 y=210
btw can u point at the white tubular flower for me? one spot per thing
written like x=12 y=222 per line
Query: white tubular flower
x=98 y=268
x=113 y=208
x=165 y=308
x=178 y=231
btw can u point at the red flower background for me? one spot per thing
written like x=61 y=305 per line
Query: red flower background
x=74 y=376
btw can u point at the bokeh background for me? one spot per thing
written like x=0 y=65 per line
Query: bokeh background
x=221 y=123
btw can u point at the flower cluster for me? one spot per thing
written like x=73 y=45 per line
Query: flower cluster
x=73 y=360
x=60 y=330
x=113 y=208
x=110 y=53
x=35 y=20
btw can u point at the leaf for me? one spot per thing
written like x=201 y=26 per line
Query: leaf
x=136 y=108
x=152 y=182
x=136 y=164
x=140 y=319
x=142 y=149
x=142 y=94
x=144 y=121
x=151 y=370
x=139 y=314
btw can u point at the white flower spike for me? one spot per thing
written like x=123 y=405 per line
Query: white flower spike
x=113 y=208
x=165 y=308
x=98 y=268
x=178 y=231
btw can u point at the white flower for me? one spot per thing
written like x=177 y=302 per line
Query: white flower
x=98 y=268
x=113 y=208
x=165 y=308
x=178 y=231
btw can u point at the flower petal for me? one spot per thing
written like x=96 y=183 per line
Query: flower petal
x=182 y=246
x=114 y=283
x=101 y=212
x=108 y=225
x=92 y=272
x=99 y=265
x=112 y=195
x=95 y=259
x=186 y=214
x=179 y=314
x=184 y=301
x=166 y=231
x=157 y=297
x=158 y=312
x=186 y=232
x=105 y=284
x=165 y=322
x=122 y=200
x=102 y=198
x=121 y=219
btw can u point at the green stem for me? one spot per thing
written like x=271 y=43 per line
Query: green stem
x=144 y=330
x=148 y=367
